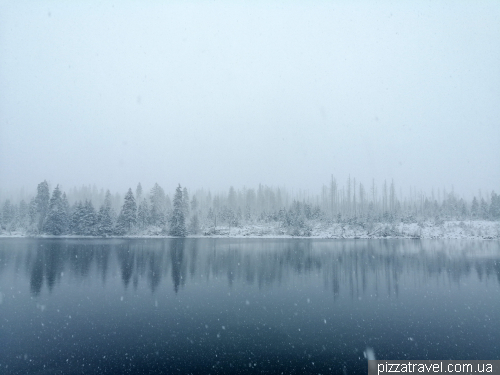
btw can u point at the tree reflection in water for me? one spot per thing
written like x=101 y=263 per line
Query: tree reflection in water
x=353 y=267
x=293 y=305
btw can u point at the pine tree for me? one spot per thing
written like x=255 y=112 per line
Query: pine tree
x=105 y=217
x=474 y=210
x=143 y=214
x=89 y=219
x=463 y=209
x=128 y=214
x=138 y=192
x=495 y=206
x=185 y=202
x=177 y=223
x=23 y=215
x=168 y=205
x=120 y=226
x=194 y=204
x=483 y=209
x=158 y=206
x=32 y=214
x=56 y=222
x=67 y=211
x=8 y=216
x=76 y=221
x=42 y=204
x=211 y=218
x=194 y=225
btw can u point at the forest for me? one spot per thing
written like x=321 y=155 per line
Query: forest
x=87 y=211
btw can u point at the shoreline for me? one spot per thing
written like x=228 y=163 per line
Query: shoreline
x=472 y=230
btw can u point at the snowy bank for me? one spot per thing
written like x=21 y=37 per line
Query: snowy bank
x=484 y=230
x=481 y=230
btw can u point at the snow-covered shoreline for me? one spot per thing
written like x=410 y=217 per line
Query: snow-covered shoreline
x=477 y=230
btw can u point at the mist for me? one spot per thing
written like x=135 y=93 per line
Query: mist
x=213 y=95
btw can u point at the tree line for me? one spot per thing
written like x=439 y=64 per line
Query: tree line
x=154 y=213
x=52 y=214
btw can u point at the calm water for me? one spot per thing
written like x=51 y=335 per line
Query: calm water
x=230 y=306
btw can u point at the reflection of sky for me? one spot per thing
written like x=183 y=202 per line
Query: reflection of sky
x=203 y=300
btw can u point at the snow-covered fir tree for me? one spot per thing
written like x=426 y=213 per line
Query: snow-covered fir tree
x=495 y=206
x=56 y=222
x=138 y=192
x=67 y=209
x=483 y=210
x=23 y=218
x=32 y=216
x=89 y=219
x=185 y=202
x=194 y=222
x=8 y=215
x=76 y=220
x=177 y=220
x=128 y=215
x=42 y=204
x=194 y=204
x=194 y=225
x=143 y=214
x=105 y=217
x=474 y=210
x=157 y=216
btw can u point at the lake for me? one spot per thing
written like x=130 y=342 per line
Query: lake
x=238 y=306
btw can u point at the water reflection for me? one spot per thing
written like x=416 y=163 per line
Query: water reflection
x=195 y=305
x=354 y=268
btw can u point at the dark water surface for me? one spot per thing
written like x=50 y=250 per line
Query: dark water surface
x=237 y=306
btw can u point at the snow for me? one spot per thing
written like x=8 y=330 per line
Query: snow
x=475 y=229
x=426 y=230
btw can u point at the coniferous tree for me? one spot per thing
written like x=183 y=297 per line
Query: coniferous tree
x=32 y=215
x=105 y=217
x=463 y=209
x=120 y=226
x=495 y=206
x=474 y=210
x=23 y=215
x=194 y=204
x=231 y=199
x=194 y=225
x=66 y=206
x=185 y=202
x=211 y=218
x=250 y=204
x=56 y=222
x=89 y=219
x=8 y=215
x=138 y=192
x=76 y=221
x=42 y=204
x=483 y=209
x=158 y=206
x=143 y=214
x=168 y=205
x=128 y=215
x=177 y=223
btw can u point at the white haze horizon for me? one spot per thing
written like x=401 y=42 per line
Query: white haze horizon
x=220 y=94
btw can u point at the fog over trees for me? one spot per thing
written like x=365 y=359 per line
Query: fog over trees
x=91 y=212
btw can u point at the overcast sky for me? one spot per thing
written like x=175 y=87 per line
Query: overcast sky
x=214 y=94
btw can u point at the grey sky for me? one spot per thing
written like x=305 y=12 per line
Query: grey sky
x=213 y=94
